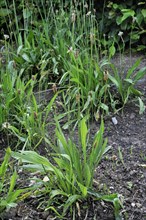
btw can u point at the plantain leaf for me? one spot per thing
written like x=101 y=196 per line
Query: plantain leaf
x=4 y=164
x=114 y=80
x=57 y=192
x=83 y=189
x=140 y=74
x=33 y=158
x=83 y=131
x=131 y=70
x=12 y=182
x=26 y=58
x=70 y=201
x=112 y=50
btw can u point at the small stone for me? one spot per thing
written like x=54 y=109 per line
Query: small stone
x=133 y=204
x=45 y=179
x=114 y=120
x=132 y=172
x=102 y=203
x=138 y=205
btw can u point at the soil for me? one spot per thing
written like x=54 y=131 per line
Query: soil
x=122 y=171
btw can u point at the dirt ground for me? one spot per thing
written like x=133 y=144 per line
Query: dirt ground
x=122 y=170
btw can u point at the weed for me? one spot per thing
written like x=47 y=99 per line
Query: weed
x=9 y=195
x=70 y=176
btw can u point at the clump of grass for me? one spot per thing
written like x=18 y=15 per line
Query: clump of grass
x=9 y=194
x=70 y=177
x=21 y=116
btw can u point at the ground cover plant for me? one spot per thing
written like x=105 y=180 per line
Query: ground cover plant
x=57 y=72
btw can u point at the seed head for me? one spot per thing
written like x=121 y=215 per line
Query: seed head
x=6 y=37
x=35 y=115
x=78 y=98
x=120 y=33
x=54 y=88
x=73 y=17
x=106 y=75
x=92 y=38
x=70 y=50
x=88 y=13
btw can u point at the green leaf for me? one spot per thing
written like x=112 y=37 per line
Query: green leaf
x=12 y=182
x=108 y=198
x=17 y=133
x=26 y=58
x=70 y=201
x=49 y=106
x=62 y=143
x=4 y=12
x=98 y=148
x=143 y=11
x=76 y=80
x=107 y=149
x=19 y=49
x=140 y=74
x=87 y=103
x=115 y=6
x=105 y=107
x=87 y=174
x=114 y=80
x=54 y=210
x=131 y=70
x=127 y=13
x=141 y=106
x=33 y=158
x=4 y=164
x=135 y=91
x=129 y=81
x=57 y=192
x=26 y=13
x=119 y=20
x=83 y=131
x=117 y=206
x=112 y=50
x=67 y=124
x=12 y=197
x=83 y=189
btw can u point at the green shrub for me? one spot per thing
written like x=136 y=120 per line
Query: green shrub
x=127 y=17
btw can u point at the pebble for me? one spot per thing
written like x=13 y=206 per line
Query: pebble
x=114 y=120
x=133 y=204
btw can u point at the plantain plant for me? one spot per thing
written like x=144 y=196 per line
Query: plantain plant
x=21 y=116
x=69 y=178
x=126 y=85
x=8 y=194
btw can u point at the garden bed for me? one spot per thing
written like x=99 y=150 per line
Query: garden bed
x=122 y=170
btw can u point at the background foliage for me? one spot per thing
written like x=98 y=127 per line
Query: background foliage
x=123 y=16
